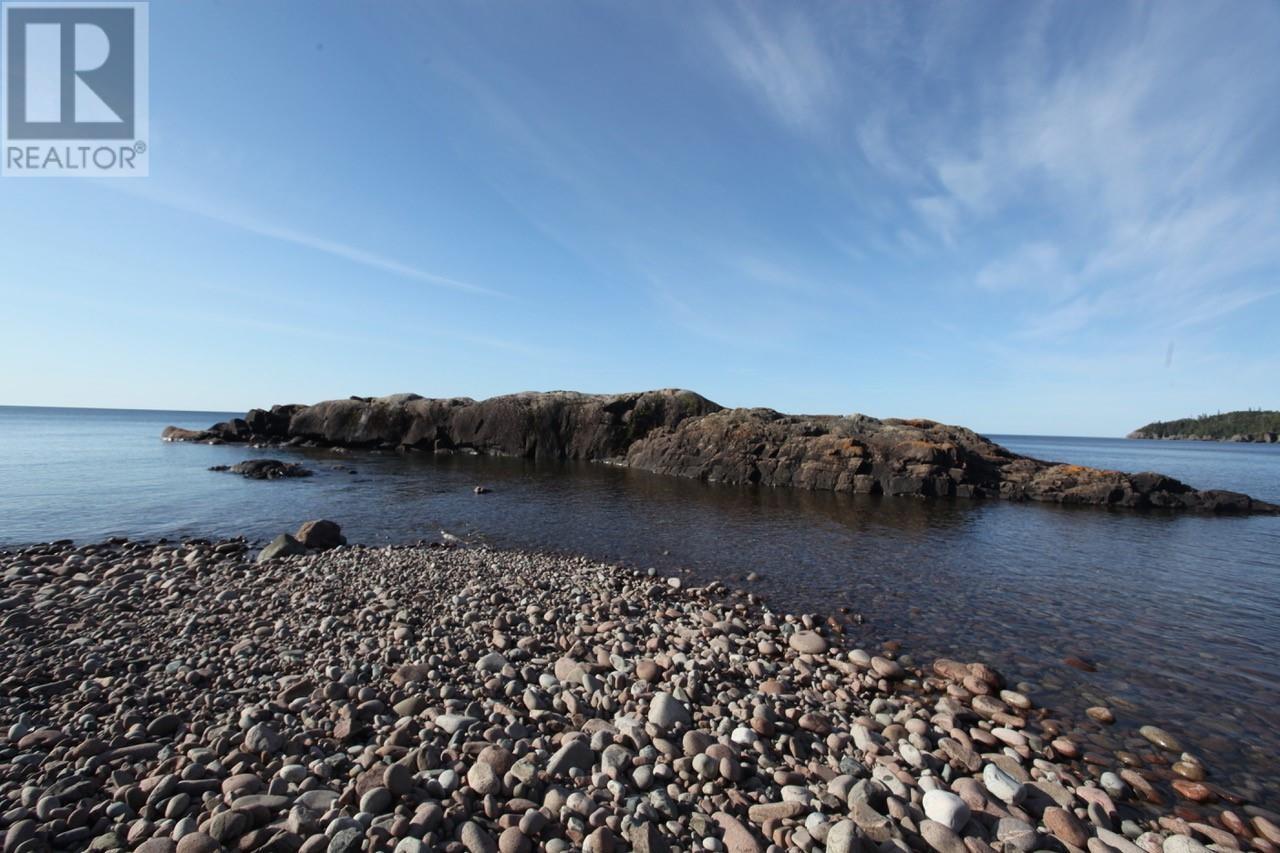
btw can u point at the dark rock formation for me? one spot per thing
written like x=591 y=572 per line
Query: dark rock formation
x=173 y=433
x=684 y=434
x=554 y=425
x=265 y=469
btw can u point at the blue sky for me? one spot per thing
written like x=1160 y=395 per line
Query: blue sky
x=1030 y=217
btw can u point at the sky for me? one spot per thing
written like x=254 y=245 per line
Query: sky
x=1020 y=217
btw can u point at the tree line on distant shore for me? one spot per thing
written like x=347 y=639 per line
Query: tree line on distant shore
x=1249 y=425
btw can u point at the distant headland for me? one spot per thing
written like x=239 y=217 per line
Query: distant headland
x=682 y=433
x=1254 y=425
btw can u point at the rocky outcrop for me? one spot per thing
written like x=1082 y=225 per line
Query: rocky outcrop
x=865 y=455
x=265 y=469
x=684 y=434
x=553 y=425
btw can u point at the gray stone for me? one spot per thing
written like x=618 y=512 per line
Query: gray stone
x=263 y=738
x=666 y=711
x=453 y=723
x=376 y=801
x=576 y=753
x=475 y=839
x=492 y=662
x=346 y=841
x=283 y=545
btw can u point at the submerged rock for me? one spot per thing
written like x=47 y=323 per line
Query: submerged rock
x=265 y=469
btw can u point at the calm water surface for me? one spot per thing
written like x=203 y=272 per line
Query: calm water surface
x=1178 y=611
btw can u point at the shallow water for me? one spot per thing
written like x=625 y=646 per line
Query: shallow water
x=1178 y=611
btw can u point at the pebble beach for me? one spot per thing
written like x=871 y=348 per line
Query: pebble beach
x=191 y=696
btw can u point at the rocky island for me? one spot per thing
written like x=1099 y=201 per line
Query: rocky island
x=1253 y=425
x=682 y=433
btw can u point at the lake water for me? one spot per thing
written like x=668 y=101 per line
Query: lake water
x=1179 y=612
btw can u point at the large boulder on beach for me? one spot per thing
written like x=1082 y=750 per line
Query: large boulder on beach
x=320 y=534
x=283 y=545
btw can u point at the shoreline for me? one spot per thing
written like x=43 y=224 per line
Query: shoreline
x=1268 y=438
x=822 y=709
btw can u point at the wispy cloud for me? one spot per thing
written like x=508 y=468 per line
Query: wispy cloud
x=1033 y=265
x=1107 y=177
x=351 y=253
x=334 y=248
x=781 y=61
x=772 y=274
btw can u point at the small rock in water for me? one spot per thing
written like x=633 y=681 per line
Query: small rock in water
x=1192 y=770
x=1160 y=738
x=1195 y=791
x=265 y=469
x=1101 y=713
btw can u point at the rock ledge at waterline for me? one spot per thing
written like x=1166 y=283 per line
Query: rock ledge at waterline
x=683 y=433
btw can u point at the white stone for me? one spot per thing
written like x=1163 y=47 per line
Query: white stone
x=946 y=808
x=1183 y=844
x=1002 y=785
